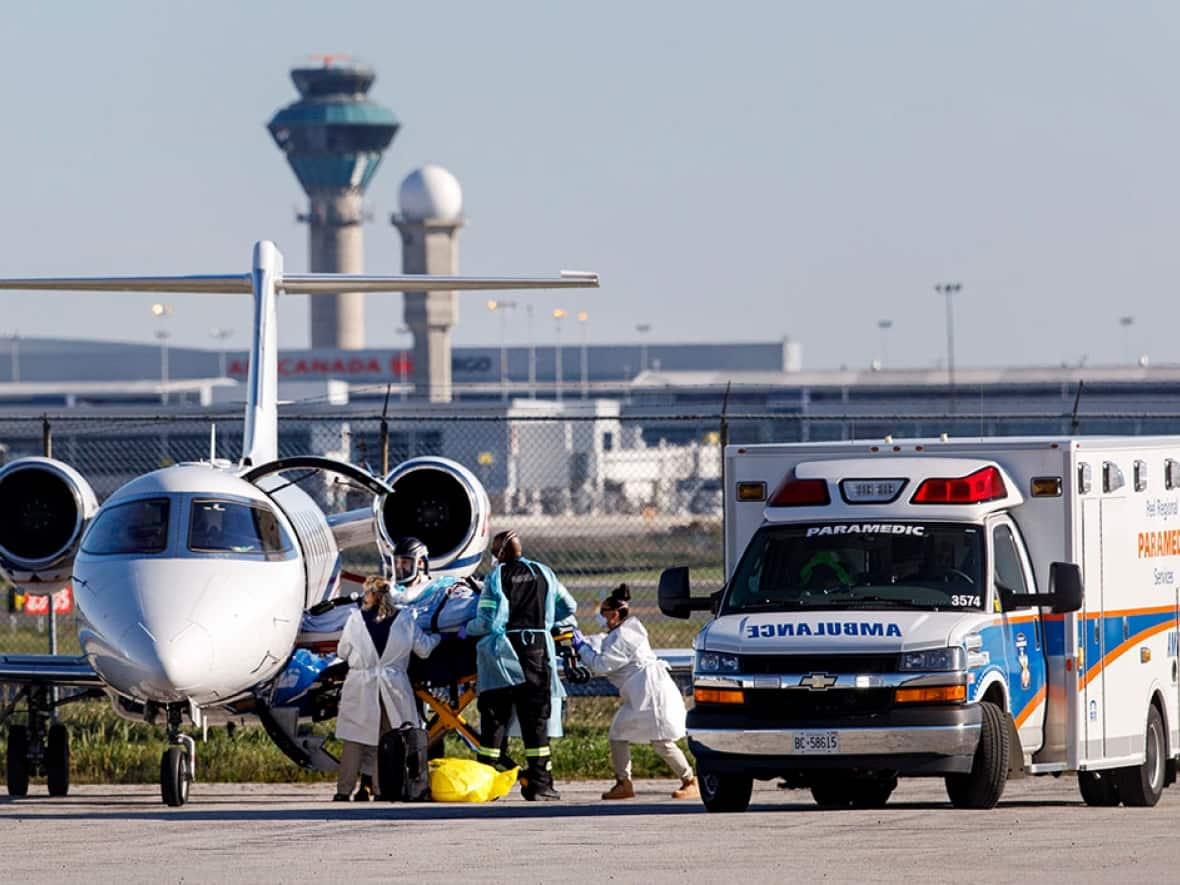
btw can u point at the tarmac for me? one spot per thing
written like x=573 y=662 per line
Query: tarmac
x=292 y=833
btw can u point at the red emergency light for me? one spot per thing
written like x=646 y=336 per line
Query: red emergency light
x=983 y=485
x=801 y=493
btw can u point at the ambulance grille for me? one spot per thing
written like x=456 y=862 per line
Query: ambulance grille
x=792 y=705
x=831 y=664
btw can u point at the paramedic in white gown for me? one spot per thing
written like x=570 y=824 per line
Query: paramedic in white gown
x=377 y=694
x=653 y=709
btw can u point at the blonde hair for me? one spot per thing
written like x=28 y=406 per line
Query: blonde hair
x=379 y=587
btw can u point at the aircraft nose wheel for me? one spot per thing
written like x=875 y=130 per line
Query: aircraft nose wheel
x=175 y=776
x=176 y=765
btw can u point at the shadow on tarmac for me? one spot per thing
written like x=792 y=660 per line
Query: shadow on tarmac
x=124 y=808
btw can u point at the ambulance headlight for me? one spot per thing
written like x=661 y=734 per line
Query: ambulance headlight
x=934 y=659
x=711 y=662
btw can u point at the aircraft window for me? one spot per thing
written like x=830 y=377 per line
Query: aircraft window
x=135 y=527
x=228 y=527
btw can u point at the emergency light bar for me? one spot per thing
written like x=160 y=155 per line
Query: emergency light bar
x=979 y=487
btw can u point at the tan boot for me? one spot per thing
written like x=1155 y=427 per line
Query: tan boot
x=688 y=790
x=623 y=789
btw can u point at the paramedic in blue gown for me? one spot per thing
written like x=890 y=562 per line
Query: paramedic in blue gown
x=517 y=666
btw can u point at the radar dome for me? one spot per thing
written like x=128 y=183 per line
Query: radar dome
x=431 y=194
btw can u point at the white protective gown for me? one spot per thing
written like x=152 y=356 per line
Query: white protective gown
x=359 y=718
x=652 y=709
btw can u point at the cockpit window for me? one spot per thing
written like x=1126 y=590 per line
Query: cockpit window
x=134 y=527
x=230 y=527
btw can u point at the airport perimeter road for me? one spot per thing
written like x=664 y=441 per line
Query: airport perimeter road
x=257 y=833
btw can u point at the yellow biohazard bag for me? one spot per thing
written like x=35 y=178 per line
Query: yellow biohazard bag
x=465 y=780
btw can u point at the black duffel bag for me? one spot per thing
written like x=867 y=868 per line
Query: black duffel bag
x=403 y=772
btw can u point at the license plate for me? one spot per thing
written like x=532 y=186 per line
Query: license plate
x=817 y=742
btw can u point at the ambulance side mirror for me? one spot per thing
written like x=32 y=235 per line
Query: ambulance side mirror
x=1065 y=587
x=674 y=596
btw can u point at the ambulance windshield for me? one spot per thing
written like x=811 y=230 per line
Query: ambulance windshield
x=860 y=565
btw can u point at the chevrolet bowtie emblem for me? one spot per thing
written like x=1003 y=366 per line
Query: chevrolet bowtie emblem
x=817 y=681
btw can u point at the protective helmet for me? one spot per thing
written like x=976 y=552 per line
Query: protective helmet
x=410 y=555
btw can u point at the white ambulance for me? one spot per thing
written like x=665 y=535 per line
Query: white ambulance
x=916 y=608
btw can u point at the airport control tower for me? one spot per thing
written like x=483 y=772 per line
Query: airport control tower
x=431 y=204
x=333 y=137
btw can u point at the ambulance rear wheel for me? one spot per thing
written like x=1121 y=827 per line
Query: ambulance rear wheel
x=873 y=792
x=1142 y=785
x=1098 y=788
x=725 y=792
x=57 y=760
x=984 y=784
x=17 y=760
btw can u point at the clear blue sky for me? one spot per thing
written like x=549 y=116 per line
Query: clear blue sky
x=740 y=171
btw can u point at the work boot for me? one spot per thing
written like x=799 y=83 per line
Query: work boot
x=623 y=789
x=540 y=794
x=340 y=797
x=688 y=789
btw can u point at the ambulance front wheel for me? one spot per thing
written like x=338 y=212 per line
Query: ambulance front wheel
x=725 y=792
x=1142 y=785
x=984 y=784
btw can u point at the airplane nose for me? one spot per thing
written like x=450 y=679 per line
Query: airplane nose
x=161 y=668
x=186 y=659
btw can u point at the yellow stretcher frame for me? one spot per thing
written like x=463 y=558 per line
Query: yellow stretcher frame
x=444 y=716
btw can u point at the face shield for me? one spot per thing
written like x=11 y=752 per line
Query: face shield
x=405 y=568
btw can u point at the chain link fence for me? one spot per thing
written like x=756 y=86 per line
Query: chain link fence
x=602 y=500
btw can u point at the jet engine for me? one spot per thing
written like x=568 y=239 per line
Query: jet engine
x=45 y=506
x=442 y=504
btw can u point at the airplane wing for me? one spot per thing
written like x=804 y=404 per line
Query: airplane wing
x=299 y=283
x=63 y=670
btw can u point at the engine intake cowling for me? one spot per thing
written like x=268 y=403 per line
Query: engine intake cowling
x=45 y=506
x=441 y=503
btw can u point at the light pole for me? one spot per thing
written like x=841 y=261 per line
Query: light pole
x=1126 y=322
x=884 y=326
x=643 y=329
x=528 y=310
x=503 y=307
x=949 y=290
x=402 y=361
x=583 y=316
x=161 y=312
x=558 y=316
x=220 y=335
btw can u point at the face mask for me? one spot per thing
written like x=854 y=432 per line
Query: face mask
x=601 y=620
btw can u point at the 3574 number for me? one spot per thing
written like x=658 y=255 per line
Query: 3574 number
x=965 y=600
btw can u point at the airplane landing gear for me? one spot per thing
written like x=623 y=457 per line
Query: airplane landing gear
x=41 y=747
x=177 y=763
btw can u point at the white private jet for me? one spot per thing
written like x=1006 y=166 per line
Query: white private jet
x=191 y=581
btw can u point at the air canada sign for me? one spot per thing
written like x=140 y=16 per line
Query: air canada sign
x=360 y=366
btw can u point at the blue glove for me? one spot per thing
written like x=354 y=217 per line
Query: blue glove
x=579 y=638
x=462 y=634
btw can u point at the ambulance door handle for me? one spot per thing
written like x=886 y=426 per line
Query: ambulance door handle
x=1126 y=627
x=1098 y=632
